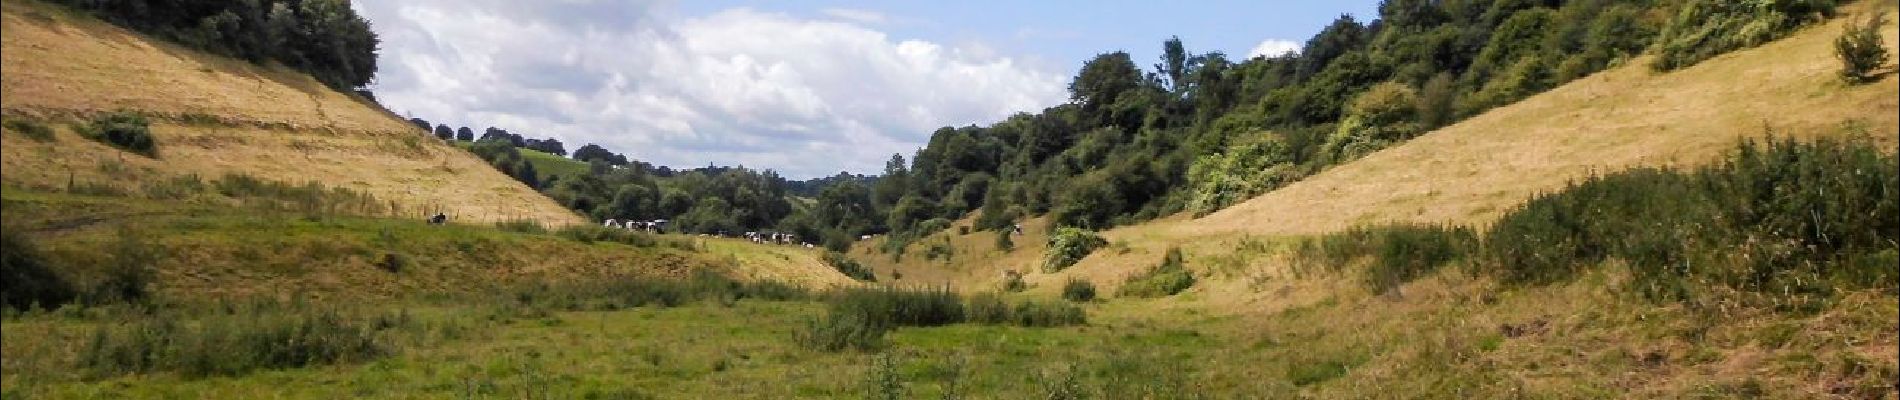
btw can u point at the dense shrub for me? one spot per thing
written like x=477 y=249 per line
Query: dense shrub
x=1033 y=313
x=1237 y=174
x=1078 y=290
x=1068 y=246
x=32 y=129
x=1860 y=49
x=1703 y=29
x=125 y=130
x=26 y=279
x=1769 y=216
x=849 y=267
x=1168 y=278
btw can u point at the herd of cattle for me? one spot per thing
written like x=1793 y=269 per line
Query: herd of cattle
x=658 y=226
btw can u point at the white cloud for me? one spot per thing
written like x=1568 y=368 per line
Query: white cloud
x=1274 y=47
x=859 y=16
x=805 y=97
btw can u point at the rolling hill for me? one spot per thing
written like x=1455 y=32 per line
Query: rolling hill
x=215 y=115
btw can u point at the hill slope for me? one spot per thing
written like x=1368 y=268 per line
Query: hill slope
x=1474 y=171
x=215 y=115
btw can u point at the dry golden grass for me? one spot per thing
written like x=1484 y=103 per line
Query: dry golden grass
x=272 y=123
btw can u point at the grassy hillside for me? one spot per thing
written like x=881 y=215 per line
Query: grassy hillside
x=1471 y=172
x=215 y=115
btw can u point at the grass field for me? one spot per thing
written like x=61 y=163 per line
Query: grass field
x=281 y=292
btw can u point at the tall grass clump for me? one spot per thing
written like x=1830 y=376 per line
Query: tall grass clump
x=639 y=291
x=858 y=318
x=1068 y=246
x=125 y=130
x=1394 y=254
x=230 y=344
x=1078 y=290
x=522 y=226
x=849 y=267
x=310 y=197
x=1168 y=278
x=1773 y=217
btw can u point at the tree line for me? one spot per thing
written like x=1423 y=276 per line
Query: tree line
x=324 y=38
x=1200 y=131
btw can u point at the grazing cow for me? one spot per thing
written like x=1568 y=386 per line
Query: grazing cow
x=1017 y=229
x=610 y=223
x=438 y=219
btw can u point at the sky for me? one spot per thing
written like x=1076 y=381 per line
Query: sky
x=807 y=88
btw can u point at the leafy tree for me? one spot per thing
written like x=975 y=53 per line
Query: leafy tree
x=1102 y=80
x=443 y=131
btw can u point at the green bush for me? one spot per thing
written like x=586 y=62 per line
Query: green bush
x=851 y=268
x=1078 y=290
x=125 y=130
x=26 y=278
x=32 y=129
x=1704 y=29
x=1068 y=246
x=1772 y=217
x=1860 y=50
x=1168 y=278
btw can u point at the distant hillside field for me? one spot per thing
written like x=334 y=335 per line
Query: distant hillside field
x=213 y=115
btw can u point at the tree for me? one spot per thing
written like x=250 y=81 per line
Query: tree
x=420 y=123
x=443 y=131
x=465 y=135
x=1101 y=80
x=1174 y=63
x=524 y=172
x=591 y=152
x=1860 y=50
x=1342 y=36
